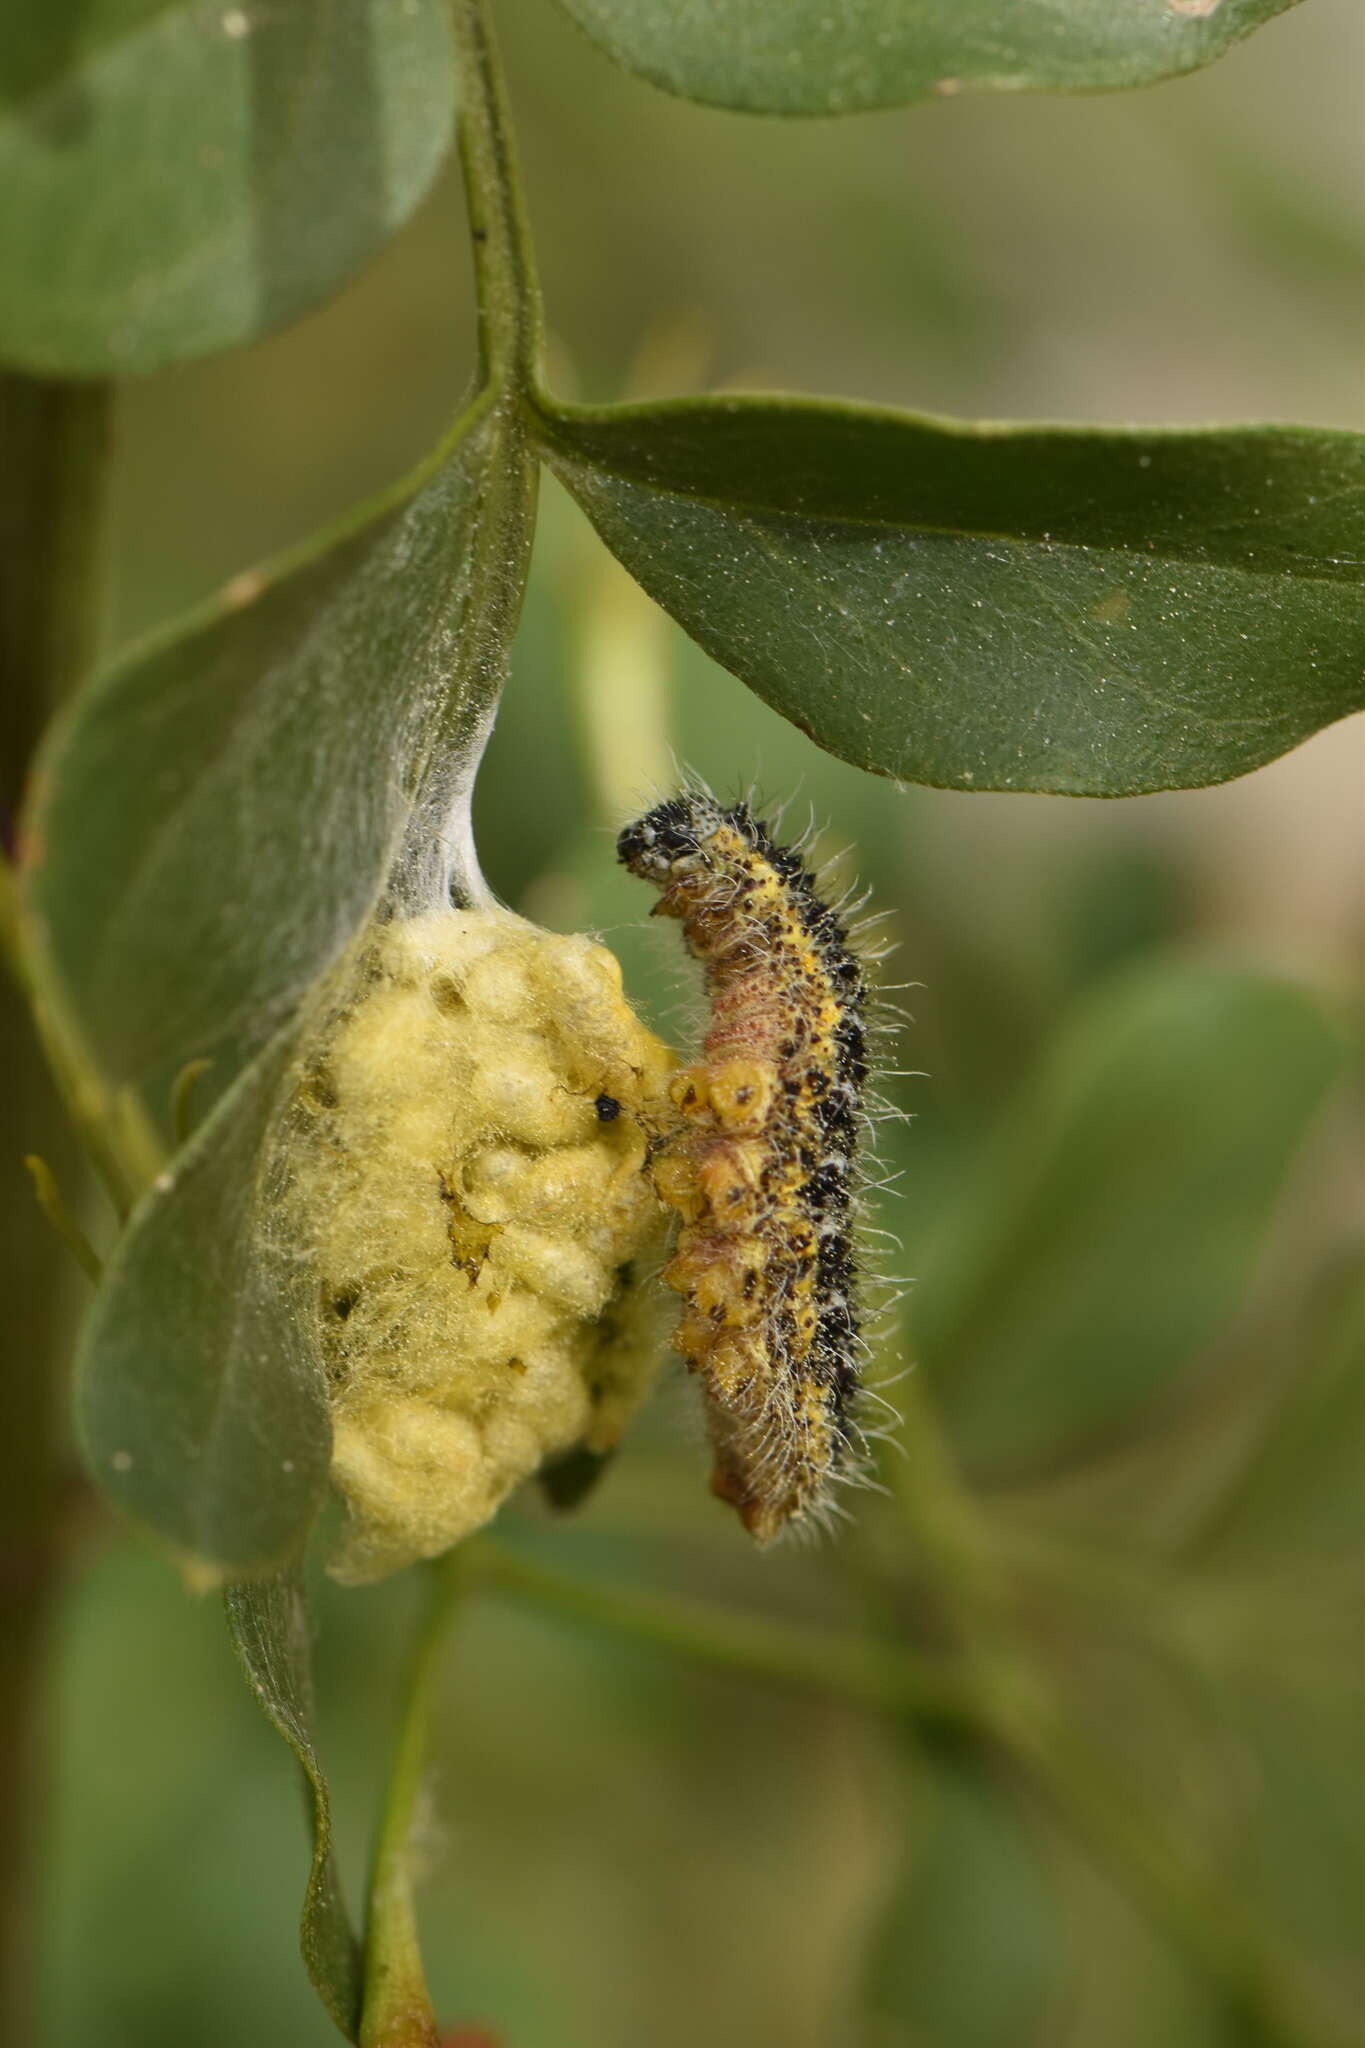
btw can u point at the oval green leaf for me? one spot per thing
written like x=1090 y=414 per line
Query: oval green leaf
x=200 y=1408
x=1089 y=611
x=812 y=57
x=975 y=1884
x=269 y=1624
x=178 y=176
x=1298 y=1495
x=223 y=808
x=216 y=822
x=1108 y=1232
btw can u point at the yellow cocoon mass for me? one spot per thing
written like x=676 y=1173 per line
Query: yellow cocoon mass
x=483 y=1231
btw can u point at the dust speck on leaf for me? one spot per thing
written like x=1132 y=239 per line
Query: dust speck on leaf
x=241 y=590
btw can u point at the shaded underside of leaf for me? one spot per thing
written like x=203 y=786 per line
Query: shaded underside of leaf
x=293 y=756
x=178 y=176
x=1115 y=1220
x=269 y=1624
x=200 y=1408
x=1084 y=611
x=814 y=57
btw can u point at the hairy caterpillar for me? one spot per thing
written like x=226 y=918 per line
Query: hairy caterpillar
x=762 y=1163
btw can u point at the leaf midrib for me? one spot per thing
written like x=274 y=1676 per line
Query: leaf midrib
x=755 y=510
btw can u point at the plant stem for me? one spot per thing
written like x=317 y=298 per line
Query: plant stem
x=397 y=2008
x=53 y=445
x=55 y=440
x=506 y=287
x=949 y=1530
x=880 y=1676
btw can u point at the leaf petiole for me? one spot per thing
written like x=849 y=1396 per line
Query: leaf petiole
x=397 y=2010
x=507 y=291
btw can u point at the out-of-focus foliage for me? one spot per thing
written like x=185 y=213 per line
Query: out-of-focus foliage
x=178 y=176
x=1111 y=1224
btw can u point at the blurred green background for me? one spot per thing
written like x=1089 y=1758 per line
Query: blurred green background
x=1130 y=1196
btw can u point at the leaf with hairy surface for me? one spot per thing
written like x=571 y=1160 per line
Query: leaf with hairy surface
x=269 y=1624
x=1086 y=611
x=814 y=57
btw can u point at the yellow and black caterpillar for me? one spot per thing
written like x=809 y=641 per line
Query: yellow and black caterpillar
x=762 y=1165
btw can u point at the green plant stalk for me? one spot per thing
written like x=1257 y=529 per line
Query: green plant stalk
x=507 y=292
x=55 y=438
x=948 y=1528
x=397 y=2010
x=53 y=471
x=880 y=1676
x=11 y=942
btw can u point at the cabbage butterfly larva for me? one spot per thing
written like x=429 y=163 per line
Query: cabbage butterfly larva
x=762 y=1163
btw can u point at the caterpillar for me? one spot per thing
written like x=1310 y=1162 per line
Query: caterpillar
x=761 y=1160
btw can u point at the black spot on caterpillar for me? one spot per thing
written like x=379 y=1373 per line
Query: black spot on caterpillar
x=762 y=1163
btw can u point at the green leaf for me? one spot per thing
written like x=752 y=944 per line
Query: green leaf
x=269 y=1624
x=1299 y=1494
x=199 y=1405
x=811 y=57
x=1091 y=611
x=178 y=176
x=1108 y=1231
x=295 y=749
x=974 y=1886
x=216 y=823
